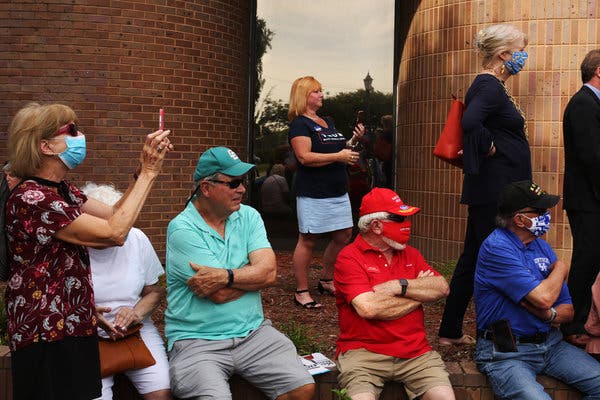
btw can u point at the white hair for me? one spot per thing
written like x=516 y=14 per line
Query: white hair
x=364 y=222
x=107 y=194
x=393 y=244
x=496 y=39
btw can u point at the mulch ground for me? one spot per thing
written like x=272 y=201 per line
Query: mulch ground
x=322 y=325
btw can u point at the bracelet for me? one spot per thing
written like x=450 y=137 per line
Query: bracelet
x=552 y=316
x=136 y=174
x=230 y=277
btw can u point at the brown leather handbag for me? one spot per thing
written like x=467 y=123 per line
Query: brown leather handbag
x=449 y=144
x=124 y=354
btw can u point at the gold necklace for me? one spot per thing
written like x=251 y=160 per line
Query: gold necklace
x=519 y=110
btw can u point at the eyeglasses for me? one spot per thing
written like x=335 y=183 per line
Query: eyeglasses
x=70 y=129
x=396 y=218
x=233 y=184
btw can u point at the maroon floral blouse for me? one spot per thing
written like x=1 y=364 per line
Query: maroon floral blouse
x=49 y=294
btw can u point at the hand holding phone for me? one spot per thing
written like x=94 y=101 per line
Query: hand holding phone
x=360 y=117
x=359 y=120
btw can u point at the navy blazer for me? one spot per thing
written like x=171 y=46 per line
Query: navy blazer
x=581 y=133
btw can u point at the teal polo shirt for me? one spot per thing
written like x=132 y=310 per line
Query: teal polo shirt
x=189 y=238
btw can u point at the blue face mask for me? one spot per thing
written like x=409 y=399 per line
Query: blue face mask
x=516 y=63
x=75 y=151
x=540 y=224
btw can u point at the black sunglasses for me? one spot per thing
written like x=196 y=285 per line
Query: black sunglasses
x=538 y=211
x=233 y=184
x=396 y=218
x=70 y=129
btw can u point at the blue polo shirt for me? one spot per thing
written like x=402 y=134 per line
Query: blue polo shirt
x=189 y=238
x=506 y=271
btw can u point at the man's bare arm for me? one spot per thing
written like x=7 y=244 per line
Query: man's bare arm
x=261 y=272
x=225 y=295
x=424 y=289
x=372 y=305
x=545 y=294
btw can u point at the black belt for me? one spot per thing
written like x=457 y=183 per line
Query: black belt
x=536 y=339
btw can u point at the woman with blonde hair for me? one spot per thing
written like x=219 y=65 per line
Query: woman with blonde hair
x=322 y=200
x=49 y=223
x=495 y=152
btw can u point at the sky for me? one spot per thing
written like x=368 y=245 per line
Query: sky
x=336 y=41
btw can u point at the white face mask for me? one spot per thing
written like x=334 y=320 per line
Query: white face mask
x=540 y=224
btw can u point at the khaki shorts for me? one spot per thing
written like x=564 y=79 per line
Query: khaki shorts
x=362 y=371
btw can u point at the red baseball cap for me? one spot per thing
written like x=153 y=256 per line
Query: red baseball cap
x=386 y=200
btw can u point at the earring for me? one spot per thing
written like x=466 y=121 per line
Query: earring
x=502 y=69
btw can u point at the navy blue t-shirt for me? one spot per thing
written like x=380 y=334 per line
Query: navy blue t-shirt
x=330 y=180
x=489 y=116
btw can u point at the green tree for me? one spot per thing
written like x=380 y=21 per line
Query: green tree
x=272 y=124
x=272 y=118
x=343 y=108
x=262 y=42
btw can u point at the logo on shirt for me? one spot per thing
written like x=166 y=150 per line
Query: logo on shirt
x=331 y=137
x=542 y=263
x=372 y=268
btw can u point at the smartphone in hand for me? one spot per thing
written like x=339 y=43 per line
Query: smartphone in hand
x=360 y=117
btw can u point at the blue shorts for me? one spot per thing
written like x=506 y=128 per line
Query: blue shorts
x=323 y=215
x=266 y=358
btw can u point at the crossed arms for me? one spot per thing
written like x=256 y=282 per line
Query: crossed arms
x=385 y=301
x=539 y=300
x=211 y=283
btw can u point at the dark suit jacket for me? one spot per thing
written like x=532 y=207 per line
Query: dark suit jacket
x=581 y=133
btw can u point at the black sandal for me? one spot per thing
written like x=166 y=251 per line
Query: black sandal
x=309 y=305
x=322 y=289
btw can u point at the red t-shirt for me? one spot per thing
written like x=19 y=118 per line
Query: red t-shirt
x=358 y=268
x=49 y=293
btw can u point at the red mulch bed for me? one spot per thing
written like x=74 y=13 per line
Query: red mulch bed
x=322 y=323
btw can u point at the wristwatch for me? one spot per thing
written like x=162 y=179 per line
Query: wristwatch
x=229 y=277
x=552 y=316
x=404 y=284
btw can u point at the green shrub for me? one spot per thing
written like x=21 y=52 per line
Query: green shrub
x=341 y=394
x=446 y=267
x=304 y=340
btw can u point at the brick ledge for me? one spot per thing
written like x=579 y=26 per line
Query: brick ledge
x=468 y=383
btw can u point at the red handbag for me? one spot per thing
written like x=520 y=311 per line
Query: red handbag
x=449 y=144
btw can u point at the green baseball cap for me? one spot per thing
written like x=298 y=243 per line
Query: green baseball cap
x=222 y=160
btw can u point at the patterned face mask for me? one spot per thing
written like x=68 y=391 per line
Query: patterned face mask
x=540 y=224
x=516 y=63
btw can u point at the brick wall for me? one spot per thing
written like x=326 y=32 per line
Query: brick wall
x=438 y=59
x=116 y=63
